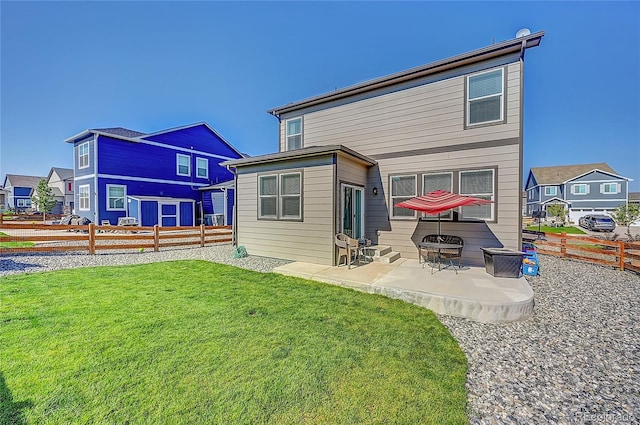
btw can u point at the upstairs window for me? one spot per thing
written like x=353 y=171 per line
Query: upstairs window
x=403 y=188
x=183 y=164
x=202 y=168
x=479 y=184
x=83 y=155
x=116 y=195
x=550 y=191
x=294 y=134
x=609 y=188
x=485 y=97
x=580 y=189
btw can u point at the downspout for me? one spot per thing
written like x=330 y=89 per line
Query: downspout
x=523 y=47
x=234 y=232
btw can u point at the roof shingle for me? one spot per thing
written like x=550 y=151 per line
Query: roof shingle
x=561 y=173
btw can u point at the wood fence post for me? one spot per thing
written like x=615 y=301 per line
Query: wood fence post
x=1 y=217
x=156 y=238
x=621 y=256
x=563 y=244
x=92 y=238
x=201 y=235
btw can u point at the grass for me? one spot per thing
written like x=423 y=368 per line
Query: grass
x=548 y=229
x=14 y=244
x=196 y=342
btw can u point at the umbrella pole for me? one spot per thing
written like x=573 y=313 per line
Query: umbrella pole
x=439 y=227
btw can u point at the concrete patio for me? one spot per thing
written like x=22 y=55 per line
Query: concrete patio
x=472 y=293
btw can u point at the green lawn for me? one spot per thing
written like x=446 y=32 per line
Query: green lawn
x=191 y=342
x=14 y=244
x=548 y=229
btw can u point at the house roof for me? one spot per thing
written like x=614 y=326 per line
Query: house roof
x=63 y=173
x=22 y=181
x=298 y=153
x=229 y=184
x=562 y=173
x=495 y=50
x=120 y=131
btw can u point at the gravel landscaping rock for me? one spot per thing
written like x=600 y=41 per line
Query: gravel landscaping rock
x=576 y=360
x=217 y=253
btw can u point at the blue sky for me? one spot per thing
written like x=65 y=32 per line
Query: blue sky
x=69 y=66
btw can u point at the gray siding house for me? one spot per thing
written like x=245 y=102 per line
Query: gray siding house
x=583 y=189
x=346 y=158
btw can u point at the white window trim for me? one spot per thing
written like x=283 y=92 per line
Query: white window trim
x=392 y=197
x=493 y=194
x=445 y=215
x=81 y=155
x=468 y=101
x=281 y=197
x=547 y=192
x=260 y=196
x=80 y=197
x=615 y=191
x=178 y=157
x=205 y=167
x=124 y=198
x=287 y=135
x=574 y=189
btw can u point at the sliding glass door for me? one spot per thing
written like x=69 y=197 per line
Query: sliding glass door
x=352 y=211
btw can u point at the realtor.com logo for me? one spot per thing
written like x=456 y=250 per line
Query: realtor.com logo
x=606 y=418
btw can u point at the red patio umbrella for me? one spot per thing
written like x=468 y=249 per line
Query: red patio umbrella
x=439 y=201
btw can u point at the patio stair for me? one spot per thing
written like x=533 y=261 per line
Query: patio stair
x=383 y=253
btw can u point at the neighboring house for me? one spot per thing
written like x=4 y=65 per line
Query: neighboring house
x=3 y=199
x=347 y=157
x=634 y=198
x=582 y=189
x=18 y=190
x=60 y=180
x=155 y=177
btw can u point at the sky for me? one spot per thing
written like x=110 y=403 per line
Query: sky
x=70 y=66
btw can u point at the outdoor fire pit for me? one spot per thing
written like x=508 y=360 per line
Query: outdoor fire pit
x=503 y=262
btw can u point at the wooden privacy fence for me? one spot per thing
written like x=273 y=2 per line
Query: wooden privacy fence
x=92 y=238
x=622 y=255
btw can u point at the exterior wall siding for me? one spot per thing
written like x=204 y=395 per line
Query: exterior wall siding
x=425 y=116
x=309 y=240
x=149 y=168
x=395 y=127
x=404 y=235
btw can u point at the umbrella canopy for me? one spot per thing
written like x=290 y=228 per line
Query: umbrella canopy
x=440 y=201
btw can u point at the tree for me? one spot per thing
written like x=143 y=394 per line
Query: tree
x=556 y=210
x=626 y=215
x=43 y=198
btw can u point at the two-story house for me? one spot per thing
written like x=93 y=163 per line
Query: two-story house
x=347 y=157
x=18 y=191
x=582 y=189
x=155 y=178
x=60 y=180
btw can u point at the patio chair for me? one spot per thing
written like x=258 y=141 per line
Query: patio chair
x=347 y=247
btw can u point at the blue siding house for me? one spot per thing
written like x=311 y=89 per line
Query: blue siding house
x=156 y=178
x=18 y=190
x=583 y=189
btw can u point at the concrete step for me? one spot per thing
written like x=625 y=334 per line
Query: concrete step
x=377 y=251
x=389 y=257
